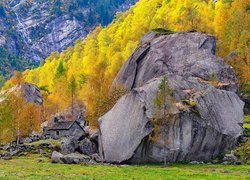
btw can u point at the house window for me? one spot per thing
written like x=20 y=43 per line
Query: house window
x=57 y=133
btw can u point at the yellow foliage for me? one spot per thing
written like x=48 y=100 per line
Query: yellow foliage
x=97 y=59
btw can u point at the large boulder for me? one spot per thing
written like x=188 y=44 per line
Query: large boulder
x=204 y=114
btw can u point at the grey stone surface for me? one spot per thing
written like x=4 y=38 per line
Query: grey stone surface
x=69 y=145
x=230 y=158
x=56 y=157
x=96 y=157
x=26 y=140
x=195 y=131
x=33 y=94
x=75 y=158
x=184 y=54
x=87 y=147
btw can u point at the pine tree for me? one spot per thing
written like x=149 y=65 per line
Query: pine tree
x=161 y=115
x=60 y=70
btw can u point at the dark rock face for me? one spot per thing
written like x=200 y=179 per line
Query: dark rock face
x=87 y=147
x=195 y=131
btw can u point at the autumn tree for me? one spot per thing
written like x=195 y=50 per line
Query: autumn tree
x=7 y=132
x=18 y=117
x=30 y=118
x=73 y=90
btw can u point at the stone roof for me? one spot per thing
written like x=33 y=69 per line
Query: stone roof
x=62 y=125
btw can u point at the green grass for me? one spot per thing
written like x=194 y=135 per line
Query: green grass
x=247 y=118
x=30 y=168
x=55 y=142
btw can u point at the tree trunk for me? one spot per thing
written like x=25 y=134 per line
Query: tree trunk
x=72 y=105
x=18 y=127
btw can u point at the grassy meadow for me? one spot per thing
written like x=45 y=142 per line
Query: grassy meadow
x=35 y=167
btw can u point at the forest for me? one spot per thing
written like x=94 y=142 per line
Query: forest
x=86 y=70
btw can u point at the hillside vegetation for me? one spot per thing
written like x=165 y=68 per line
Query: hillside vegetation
x=93 y=62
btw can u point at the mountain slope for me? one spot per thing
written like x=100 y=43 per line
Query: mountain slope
x=95 y=61
x=34 y=29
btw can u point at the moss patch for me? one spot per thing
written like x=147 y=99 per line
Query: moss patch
x=247 y=118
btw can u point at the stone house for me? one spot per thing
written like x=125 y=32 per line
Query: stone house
x=63 y=129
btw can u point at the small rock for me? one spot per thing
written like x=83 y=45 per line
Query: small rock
x=56 y=157
x=75 y=158
x=14 y=153
x=6 y=147
x=230 y=158
x=26 y=140
x=7 y=158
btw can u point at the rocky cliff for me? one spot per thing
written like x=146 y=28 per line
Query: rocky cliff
x=34 y=29
x=203 y=114
x=30 y=92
